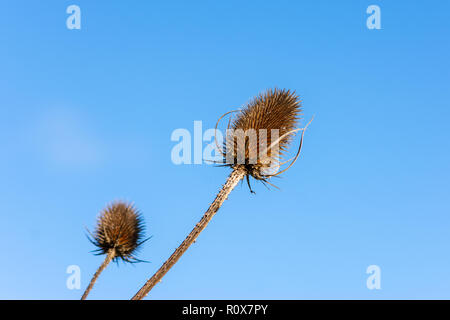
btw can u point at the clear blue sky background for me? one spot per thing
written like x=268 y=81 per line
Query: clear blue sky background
x=86 y=117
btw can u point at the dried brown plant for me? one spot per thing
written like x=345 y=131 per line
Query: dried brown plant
x=119 y=234
x=273 y=110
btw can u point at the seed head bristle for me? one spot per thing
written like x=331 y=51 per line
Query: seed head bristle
x=120 y=228
x=271 y=117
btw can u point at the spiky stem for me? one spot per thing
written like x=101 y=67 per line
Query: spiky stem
x=234 y=178
x=108 y=259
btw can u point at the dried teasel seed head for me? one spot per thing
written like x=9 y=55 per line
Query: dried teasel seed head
x=120 y=228
x=258 y=137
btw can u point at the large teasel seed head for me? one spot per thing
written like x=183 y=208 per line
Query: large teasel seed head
x=271 y=117
x=120 y=228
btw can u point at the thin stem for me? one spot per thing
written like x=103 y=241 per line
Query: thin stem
x=232 y=181
x=105 y=263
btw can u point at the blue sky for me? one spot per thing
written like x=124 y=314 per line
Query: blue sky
x=86 y=117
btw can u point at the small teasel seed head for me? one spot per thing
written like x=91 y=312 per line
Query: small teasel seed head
x=259 y=136
x=120 y=228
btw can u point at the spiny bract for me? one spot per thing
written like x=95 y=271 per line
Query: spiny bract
x=120 y=227
x=272 y=110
